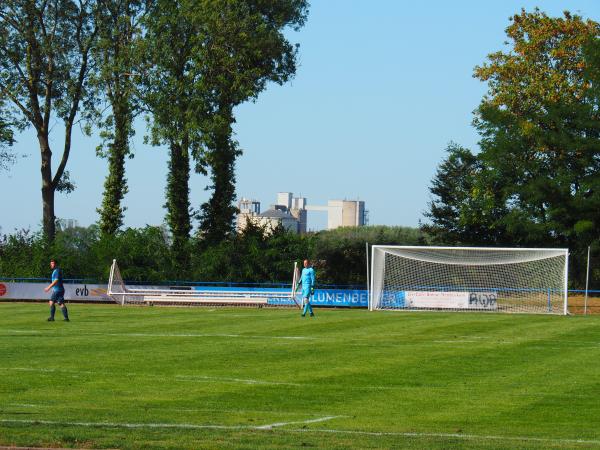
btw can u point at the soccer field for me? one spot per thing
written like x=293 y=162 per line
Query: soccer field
x=138 y=377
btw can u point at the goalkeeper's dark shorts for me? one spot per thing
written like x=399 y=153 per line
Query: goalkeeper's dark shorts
x=58 y=297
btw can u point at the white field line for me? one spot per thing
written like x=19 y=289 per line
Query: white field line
x=203 y=335
x=21 y=331
x=282 y=424
x=481 y=437
x=201 y=378
x=39 y=369
x=26 y=405
x=192 y=378
x=165 y=425
x=184 y=378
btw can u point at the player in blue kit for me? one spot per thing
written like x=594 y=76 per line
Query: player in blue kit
x=58 y=292
x=307 y=279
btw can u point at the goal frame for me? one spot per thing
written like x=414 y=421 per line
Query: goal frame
x=374 y=248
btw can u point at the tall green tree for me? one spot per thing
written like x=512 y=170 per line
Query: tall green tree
x=466 y=202
x=245 y=48
x=205 y=58
x=540 y=129
x=117 y=58
x=173 y=93
x=538 y=164
x=44 y=66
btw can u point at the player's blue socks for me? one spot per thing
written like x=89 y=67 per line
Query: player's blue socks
x=65 y=312
x=52 y=311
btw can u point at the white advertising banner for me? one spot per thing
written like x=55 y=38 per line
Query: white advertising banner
x=451 y=300
x=424 y=299
x=35 y=291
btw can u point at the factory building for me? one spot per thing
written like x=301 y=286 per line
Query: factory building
x=292 y=213
x=276 y=214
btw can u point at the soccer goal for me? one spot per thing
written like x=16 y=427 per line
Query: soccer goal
x=123 y=294
x=519 y=280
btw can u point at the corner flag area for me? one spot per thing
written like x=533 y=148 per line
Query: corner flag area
x=169 y=377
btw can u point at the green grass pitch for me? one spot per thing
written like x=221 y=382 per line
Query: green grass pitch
x=162 y=377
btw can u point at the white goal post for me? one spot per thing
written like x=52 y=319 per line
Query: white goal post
x=123 y=294
x=521 y=280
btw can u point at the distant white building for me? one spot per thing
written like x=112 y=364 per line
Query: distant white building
x=249 y=209
x=65 y=224
x=292 y=213
x=276 y=215
x=345 y=213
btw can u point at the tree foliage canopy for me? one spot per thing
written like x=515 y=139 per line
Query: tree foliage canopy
x=44 y=66
x=539 y=153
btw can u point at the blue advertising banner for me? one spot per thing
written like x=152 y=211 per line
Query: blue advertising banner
x=346 y=297
x=323 y=297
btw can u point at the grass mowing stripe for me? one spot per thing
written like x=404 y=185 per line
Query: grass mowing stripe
x=211 y=410
x=449 y=435
x=176 y=335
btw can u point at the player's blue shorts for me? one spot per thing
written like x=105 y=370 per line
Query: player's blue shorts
x=58 y=297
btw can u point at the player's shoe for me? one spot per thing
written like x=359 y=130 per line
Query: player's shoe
x=66 y=319
x=50 y=319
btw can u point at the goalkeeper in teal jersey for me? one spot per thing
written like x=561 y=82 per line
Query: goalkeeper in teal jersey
x=307 y=279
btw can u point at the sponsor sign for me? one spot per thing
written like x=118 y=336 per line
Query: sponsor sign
x=483 y=300
x=424 y=299
x=322 y=297
x=331 y=297
x=35 y=291
x=451 y=300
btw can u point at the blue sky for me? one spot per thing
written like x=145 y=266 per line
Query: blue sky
x=381 y=88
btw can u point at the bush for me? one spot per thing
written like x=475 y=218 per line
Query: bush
x=257 y=255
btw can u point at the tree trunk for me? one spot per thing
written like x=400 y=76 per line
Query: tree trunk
x=218 y=214
x=48 y=218
x=178 y=203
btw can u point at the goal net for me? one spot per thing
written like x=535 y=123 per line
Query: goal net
x=469 y=278
x=144 y=295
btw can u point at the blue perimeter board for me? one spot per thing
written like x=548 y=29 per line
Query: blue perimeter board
x=323 y=297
